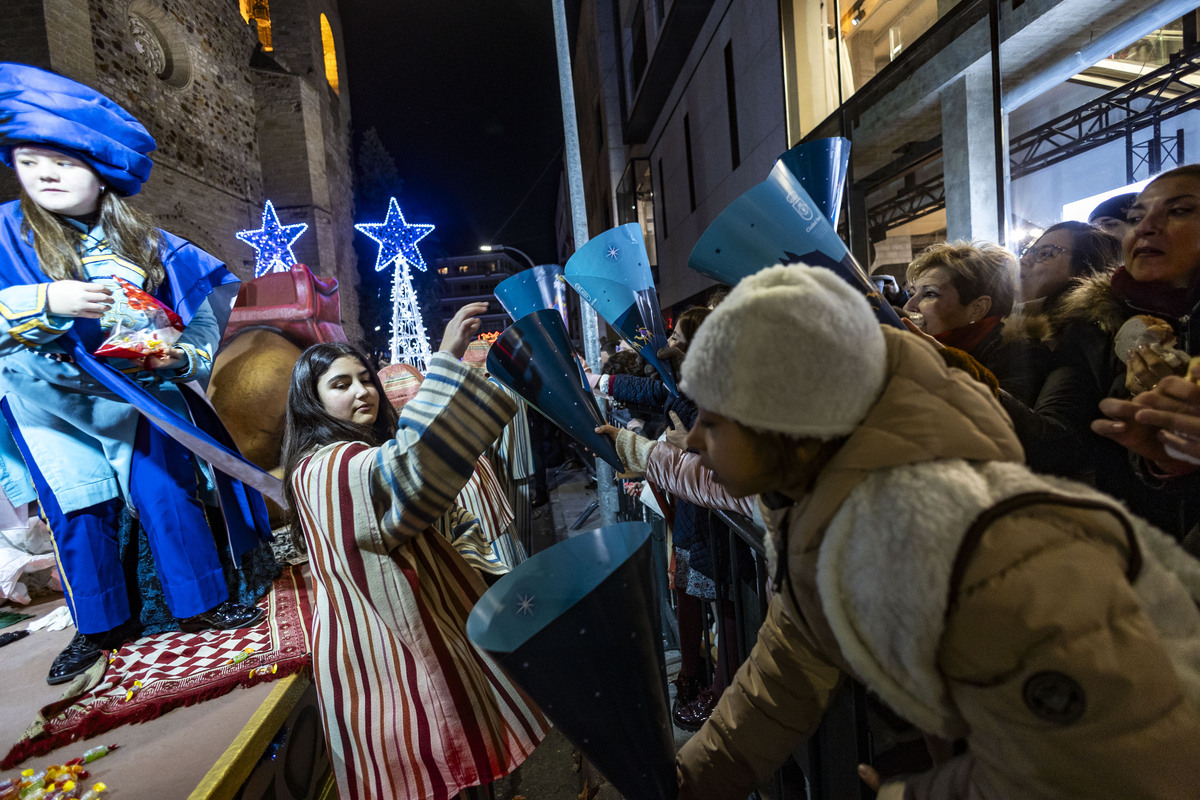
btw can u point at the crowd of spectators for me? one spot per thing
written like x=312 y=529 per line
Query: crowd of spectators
x=1088 y=360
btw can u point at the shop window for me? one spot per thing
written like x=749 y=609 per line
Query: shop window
x=687 y=152
x=331 y=69
x=662 y=194
x=731 y=105
x=822 y=48
x=638 y=56
x=635 y=202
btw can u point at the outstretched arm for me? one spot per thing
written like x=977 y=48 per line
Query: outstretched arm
x=675 y=471
x=454 y=417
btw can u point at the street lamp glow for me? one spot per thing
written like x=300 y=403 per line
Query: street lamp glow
x=492 y=248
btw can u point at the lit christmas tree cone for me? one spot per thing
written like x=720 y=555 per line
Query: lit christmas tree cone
x=821 y=168
x=534 y=358
x=532 y=290
x=777 y=222
x=612 y=273
x=577 y=628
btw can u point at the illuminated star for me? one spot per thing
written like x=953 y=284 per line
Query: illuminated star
x=272 y=242
x=612 y=253
x=525 y=604
x=397 y=239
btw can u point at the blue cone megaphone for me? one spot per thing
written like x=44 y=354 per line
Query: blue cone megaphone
x=532 y=290
x=534 y=358
x=612 y=273
x=576 y=627
x=821 y=168
x=776 y=222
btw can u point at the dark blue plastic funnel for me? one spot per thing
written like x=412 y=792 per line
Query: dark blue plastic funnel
x=612 y=273
x=821 y=168
x=576 y=627
x=776 y=222
x=534 y=358
x=531 y=290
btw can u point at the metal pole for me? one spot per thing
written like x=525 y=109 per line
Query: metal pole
x=606 y=490
x=999 y=129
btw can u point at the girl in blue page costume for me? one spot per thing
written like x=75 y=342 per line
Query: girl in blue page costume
x=76 y=441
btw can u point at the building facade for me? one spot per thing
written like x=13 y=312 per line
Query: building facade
x=472 y=279
x=247 y=104
x=976 y=119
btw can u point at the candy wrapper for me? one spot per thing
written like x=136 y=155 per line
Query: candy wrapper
x=138 y=325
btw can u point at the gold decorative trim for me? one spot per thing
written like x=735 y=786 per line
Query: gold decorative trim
x=235 y=765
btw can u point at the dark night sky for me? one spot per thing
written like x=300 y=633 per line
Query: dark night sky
x=464 y=95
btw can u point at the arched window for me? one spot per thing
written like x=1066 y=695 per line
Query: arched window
x=257 y=11
x=331 y=72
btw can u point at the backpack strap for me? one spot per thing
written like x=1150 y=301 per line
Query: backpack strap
x=985 y=519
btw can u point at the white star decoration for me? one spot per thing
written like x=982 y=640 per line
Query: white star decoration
x=613 y=253
x=396 y=238
x=272 y=242
x=525 y=604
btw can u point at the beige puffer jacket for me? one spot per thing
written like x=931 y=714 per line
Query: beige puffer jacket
x=1066 y=680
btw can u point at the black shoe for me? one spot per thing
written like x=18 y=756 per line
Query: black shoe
x=76 y=659
x=539 y=500
x=226 y=617
x=692 y=716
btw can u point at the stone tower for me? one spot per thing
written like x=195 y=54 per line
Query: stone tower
x=247 y=104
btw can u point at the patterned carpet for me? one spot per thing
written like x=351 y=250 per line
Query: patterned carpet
x=148 y=678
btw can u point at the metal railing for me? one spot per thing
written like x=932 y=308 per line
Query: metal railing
x=824 y=767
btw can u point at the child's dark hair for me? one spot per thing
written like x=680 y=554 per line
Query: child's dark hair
x=689 y=322
x=310 y=426
x=623 y=362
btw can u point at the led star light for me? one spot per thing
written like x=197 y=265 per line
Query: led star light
x=397 y=239
x=272 y=242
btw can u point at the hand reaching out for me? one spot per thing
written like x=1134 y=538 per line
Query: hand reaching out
x=678 y=432
x=461 y=329
x=78 y=299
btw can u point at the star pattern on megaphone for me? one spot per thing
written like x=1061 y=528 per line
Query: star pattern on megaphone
x=525 y=604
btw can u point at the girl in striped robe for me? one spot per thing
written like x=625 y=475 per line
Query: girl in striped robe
x=411 y=709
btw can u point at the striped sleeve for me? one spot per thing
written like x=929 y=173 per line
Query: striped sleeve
x=453 y=418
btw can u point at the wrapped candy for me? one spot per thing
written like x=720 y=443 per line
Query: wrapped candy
x=138 y=325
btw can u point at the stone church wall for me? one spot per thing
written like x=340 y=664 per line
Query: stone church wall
x=229 y=136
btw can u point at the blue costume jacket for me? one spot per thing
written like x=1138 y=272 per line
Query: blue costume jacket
x=86 y=409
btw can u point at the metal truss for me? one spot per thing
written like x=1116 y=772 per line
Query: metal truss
x=913 y=202
x=1153 y=97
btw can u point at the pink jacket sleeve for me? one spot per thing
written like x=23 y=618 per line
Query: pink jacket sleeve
x=681 y=474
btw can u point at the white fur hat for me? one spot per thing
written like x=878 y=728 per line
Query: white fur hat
x=792 y=349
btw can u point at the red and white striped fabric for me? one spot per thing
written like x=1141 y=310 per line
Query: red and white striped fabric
x=485 y=498
x=411 y=708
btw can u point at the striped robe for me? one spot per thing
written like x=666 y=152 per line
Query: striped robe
x=411 y=709
x=489 y=544
x=514 y=467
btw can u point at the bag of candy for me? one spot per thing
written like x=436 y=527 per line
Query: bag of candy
x=138 y=325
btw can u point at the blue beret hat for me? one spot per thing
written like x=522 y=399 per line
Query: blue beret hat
x=41 y=108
